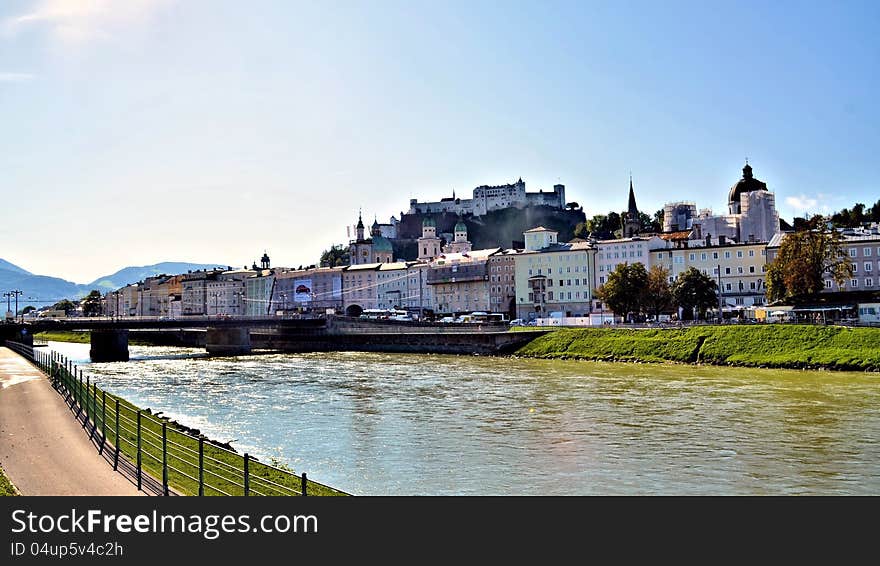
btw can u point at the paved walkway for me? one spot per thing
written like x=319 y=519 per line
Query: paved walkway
x=43 y=449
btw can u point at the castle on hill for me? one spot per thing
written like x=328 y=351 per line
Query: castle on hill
x=487 y=198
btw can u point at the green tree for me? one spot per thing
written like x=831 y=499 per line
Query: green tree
x=93 y=303
x=658 y=295
x=28 y=309
x=624 y=290
x=658 y=220
x=803 y=259
x=336 y=256
x=694 y=289
x=64 y=305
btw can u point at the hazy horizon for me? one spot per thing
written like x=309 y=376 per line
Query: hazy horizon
x=152 y=130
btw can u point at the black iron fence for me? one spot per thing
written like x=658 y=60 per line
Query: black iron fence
x=160 y=455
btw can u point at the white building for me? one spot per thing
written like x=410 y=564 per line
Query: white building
x=226 y=294
x=752 y=215
x=610 y=253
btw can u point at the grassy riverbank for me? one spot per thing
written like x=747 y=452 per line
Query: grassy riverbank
x=80 y=337
x=771 y=345
x=6 y=487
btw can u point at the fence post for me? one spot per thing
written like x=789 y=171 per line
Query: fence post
x=305 y=484
x=247 y=474
x=165 y=458
x=201 y=465
x=139 y=449
x=86 y=405
x=103 y=420
x=116 y=454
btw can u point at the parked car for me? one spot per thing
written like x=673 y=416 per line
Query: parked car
x=447 y=319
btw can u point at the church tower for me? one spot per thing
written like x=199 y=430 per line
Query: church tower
x=429 y=243
x=360 y=251
x=631 y=224
x=460 y=242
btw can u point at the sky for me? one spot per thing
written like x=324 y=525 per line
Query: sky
x=211 y=130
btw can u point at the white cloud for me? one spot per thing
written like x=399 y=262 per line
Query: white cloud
x=15 y=77
x=813 y=204
x=79 y=21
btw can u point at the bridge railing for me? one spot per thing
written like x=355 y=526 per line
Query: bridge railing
x=159 y=451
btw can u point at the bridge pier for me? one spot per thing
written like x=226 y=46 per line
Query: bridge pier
x=109 y=346
x=228 y=341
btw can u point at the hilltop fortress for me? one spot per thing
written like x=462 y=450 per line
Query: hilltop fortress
x=487 y=198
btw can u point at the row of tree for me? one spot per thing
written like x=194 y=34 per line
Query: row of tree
x=631 y=290
x=610 y=226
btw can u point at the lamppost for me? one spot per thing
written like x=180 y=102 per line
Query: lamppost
x=8 y=301
x=17 y=293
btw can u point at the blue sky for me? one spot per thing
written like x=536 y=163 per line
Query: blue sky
x=209 y=130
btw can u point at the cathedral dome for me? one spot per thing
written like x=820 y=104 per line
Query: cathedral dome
x=381 y=244
x=745 y=185
x=428 y=222
x=460 y=227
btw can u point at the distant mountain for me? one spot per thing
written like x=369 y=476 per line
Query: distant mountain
x=12 y=267
x=128 y=275
x=39 y=290
x=43 y=290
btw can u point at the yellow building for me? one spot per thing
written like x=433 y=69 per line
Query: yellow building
x=552 y=277
x=742 y=274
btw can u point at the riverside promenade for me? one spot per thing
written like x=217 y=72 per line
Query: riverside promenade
x=44 y=450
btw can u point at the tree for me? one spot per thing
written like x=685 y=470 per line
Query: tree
x=572 y=206
x=581 y=231
x=336 y=256
x=93 y=303
x=658 y=220
x=624 y=291
x=658 y=296
x=28 y=309
x=692 y=289
x=64 y=305
x=804 y=258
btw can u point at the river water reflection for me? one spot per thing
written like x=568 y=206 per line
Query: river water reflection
x=429 y=424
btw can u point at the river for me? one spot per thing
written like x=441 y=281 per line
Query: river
x=378 y=424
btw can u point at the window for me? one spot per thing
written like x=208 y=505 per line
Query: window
x=739 y=253
x=550 y=295
x=854 y=282
x=726 y=255
x=867 y=252
x=549 y=270
x=827 y=283
x=868 y=266
x=531 y=297
x=660 y=255
x=853 y=252
x=751 y=253
x=855 y=267
x=577 y=281
x=602 y=279
x=869 y=282
x=693 y=257
x=530 y=272
x=549 y=282
x=714 y=255
x=726 y=271
x=562 y=282
x=703 y=256
x=752 y=285
x=739 y=270
x=569 y=295
x=728 y=286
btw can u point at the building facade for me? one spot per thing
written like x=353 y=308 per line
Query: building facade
x=739 y=269
x=460 y=282
x=554 y=278
x=502 y=282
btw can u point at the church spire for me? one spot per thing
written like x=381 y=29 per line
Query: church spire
x=631 y=207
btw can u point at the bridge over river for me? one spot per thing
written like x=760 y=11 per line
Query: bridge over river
x=239 y=335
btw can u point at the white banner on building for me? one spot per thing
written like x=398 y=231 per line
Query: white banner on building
x=302 y=290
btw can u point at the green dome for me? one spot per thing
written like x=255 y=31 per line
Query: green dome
x=428 y=222
x=382 y=244
x=460 y=227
